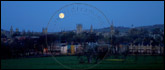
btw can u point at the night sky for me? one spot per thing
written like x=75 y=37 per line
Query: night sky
x=34 y=15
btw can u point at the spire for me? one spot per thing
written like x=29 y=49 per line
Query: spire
x=43 y=30
x=112 y=22
x=112 y=28
x=112 y=25
x=91 y=30
x=23 y=32
x=11 y=30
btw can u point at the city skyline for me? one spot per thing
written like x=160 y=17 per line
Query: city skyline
x=34 y=16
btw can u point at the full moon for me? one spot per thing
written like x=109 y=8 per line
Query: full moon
x=61 y=15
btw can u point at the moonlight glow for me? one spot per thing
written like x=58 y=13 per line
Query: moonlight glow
x=61 y=15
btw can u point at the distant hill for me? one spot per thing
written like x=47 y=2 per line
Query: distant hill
x=107 y=29
x=151 y=27
x=7 y=33
x=2 y=30
x=125 y=29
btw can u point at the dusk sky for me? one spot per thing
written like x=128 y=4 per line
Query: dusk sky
x=34 y=15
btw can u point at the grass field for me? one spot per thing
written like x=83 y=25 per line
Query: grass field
x=150 y=62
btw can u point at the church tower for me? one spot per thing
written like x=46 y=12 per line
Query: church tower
x=44 y=30
x=17 y=30
x=79 y=28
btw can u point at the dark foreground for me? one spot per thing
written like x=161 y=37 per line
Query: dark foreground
x=142 y=62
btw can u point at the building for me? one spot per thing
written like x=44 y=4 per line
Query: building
x=79 y=28
x=105 y=34
x=145 y=49
x=64 y=49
